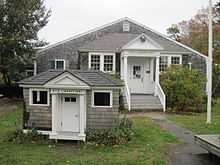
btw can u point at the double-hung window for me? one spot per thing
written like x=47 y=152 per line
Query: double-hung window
x=95 y=62
x=102 y=61
x=163 y=63
x=166 y=61
x=175 y=60
x=39 y=97
x=58 y=64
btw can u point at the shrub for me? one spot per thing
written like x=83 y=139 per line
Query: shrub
x=115 y=136
x=184 y=89
x=32 y=136
x=216 y=80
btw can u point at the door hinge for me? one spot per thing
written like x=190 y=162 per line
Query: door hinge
x=61 y=124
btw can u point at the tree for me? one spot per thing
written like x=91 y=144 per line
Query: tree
x=20 y=22
x=194 y=32
x=174 y=32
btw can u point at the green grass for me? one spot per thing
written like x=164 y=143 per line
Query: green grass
x=149 y=146
x=197 y=122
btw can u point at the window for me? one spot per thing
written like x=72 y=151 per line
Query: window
x=102 y=99
x=58 y=64
x=102 y=61
x=39 y=97
x=136 y=72
x=175 y=60
x=29 y=73
x=95 y=62
x=108 y=63
x=70 y=99
x=163 y=63
x=126 y=27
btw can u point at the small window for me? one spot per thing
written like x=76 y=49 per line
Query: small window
x=95 y=62
x=163 y=63
x=58 y=64
x=126 y=27
x=73 y=99
x=39 y=97
x=175 y=60
x=136 y=72
x=102 y=99
x=67 y=99
x=29 y=73
x=108 y=63
x=70 y=99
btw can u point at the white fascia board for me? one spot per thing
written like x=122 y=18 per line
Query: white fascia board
x=117 y=21
x=147 y=38
x=164 y=36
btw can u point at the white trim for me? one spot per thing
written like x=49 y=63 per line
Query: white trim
x=102 y=91
x=38 y=90
x=101 y=55
x=30 y=86
x=25 y=131
x=117 y=21
x=147 y=38
x=64 y=63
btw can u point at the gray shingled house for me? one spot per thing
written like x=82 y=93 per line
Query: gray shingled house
x=74 y=88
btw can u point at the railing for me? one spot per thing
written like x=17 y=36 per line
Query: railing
x=160 y=93
x=128 y=96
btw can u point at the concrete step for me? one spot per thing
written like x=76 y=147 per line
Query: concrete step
x=142 y=102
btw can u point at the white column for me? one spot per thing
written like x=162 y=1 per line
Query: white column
x=125 y=68
x=35 y=67
x=82 y=115
x=54 y=114
x=157 y=74
x=122 y=68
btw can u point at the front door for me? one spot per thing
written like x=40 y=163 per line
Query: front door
x=140 y=75
x=70 y=113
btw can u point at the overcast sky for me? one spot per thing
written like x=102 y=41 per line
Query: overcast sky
x=71 y=17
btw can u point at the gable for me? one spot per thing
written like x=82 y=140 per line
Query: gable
x=66 y=80
x=142 y=42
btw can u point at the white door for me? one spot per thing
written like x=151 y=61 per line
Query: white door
x=140 y=75
x=70 y=113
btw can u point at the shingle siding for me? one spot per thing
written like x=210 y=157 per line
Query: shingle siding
x=37 y=116
x=103 y=118
x=69 y=49
x=98 y=118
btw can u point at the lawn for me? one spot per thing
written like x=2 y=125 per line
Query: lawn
x=149 y=146
x=197 y=122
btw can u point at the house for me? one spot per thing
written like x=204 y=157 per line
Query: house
x=74 y=87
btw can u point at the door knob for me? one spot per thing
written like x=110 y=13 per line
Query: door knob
x=76 y=115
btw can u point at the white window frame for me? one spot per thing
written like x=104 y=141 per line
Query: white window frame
x=29 y=70
x=38 y=90
x=179 y=56
x=101 y=55
x=64 y=63
x=170 y=59
x=102 y=91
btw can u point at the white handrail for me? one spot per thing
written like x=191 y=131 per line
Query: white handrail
x=128 y=96
x=160 y=93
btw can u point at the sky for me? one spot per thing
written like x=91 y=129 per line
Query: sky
x=71 y=17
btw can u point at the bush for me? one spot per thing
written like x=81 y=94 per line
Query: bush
x=184 y=89
x=115 y=136
x=216 y=80
x=32 y=136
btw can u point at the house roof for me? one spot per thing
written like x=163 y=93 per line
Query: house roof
x=167 y=43
x=92 y=78
x=110 y=42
